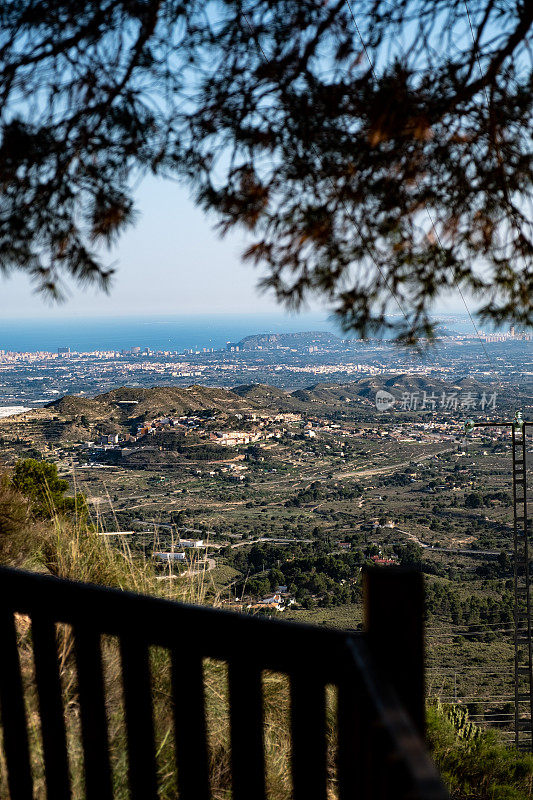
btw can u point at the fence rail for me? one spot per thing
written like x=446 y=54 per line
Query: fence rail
x=380 y=749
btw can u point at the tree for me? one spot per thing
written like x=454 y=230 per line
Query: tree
x=410 y=554
x=178 y=517
x=379 y=154
x=276 y=578
x=473 y=500
x=39 y=482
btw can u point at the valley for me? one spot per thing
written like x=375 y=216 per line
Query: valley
x=290 y=494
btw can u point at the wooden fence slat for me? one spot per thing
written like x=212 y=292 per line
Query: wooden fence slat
x=15 y=733
x=98 y=784
x=394 y=628
x=247 y=746
x=350 y=747
x=50 y=707
x=139 y=718
x=308 y=725
x=190 y=724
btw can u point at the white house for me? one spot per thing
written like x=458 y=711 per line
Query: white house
x=169 y=556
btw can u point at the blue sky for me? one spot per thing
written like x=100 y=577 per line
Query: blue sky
x=171 y=261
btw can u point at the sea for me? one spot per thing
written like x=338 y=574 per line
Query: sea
x=174 y=333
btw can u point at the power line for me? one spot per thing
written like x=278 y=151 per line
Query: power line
x=466 y=624
x=443 y=637
x=459 y=674
x=459 y=629
x=501 y=698
x=520 y=494
x=476 y=55
x=474 y=668
x=491 y=629
x=474 y=624
x=449 y=639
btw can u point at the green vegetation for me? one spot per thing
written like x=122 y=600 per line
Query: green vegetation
x=312 y=578
x=473 y=763
x=469 y=610
x=14 y=520
x=39 y=482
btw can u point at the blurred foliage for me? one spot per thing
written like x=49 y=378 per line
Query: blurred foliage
x=379 y=155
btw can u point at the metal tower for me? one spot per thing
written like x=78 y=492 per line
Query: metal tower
x=523 y=663
x=523 y=602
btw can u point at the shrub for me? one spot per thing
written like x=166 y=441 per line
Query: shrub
x=14 y=523
x=473 y=763
x=40 y=483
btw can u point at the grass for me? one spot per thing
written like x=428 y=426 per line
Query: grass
x=348 y=616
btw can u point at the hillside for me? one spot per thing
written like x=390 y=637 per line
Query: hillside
x=337 y=394
x=73 y=405
x=126 y=406
x=141 y=404
x=269 y=397
x=135 y=404
x=268 y=341
x=122 y=410
x=73 y=418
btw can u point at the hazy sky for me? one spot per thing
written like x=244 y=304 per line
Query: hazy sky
x=171 y=262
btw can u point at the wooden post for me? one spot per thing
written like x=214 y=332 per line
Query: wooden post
x=394 y=625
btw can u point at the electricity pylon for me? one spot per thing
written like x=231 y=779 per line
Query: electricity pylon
x=522 y=529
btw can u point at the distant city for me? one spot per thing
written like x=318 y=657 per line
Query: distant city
x=285 y=360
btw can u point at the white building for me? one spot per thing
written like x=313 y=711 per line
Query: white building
x=169 y=556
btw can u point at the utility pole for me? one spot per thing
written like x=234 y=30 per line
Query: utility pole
x=522 y=529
